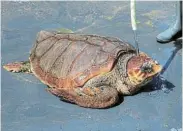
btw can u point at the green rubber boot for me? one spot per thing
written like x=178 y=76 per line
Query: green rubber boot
x=174 y=31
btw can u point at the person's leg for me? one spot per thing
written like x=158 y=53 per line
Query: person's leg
x=174 y=31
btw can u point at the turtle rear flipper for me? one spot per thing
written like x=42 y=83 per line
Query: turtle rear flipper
x=17 y=67
x=105 y=97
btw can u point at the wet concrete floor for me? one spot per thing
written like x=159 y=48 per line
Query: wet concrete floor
x=26 y=106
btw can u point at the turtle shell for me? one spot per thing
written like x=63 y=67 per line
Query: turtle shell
x=70 y=60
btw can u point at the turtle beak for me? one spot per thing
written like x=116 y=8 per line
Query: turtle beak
x=156 y=68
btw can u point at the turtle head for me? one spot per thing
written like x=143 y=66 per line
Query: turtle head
x=141 y=69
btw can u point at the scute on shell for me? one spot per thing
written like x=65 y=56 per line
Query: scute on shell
x=69 y=60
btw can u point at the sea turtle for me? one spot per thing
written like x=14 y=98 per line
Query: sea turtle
x=88 y=70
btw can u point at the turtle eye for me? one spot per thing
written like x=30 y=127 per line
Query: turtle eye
x=146 y=67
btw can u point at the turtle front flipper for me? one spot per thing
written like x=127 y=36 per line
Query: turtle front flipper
x=96 y=97
x=18 y=67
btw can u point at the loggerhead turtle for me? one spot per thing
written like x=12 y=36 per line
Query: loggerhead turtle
x=88 y=70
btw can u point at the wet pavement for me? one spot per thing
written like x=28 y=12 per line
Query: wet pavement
x=26 y=106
